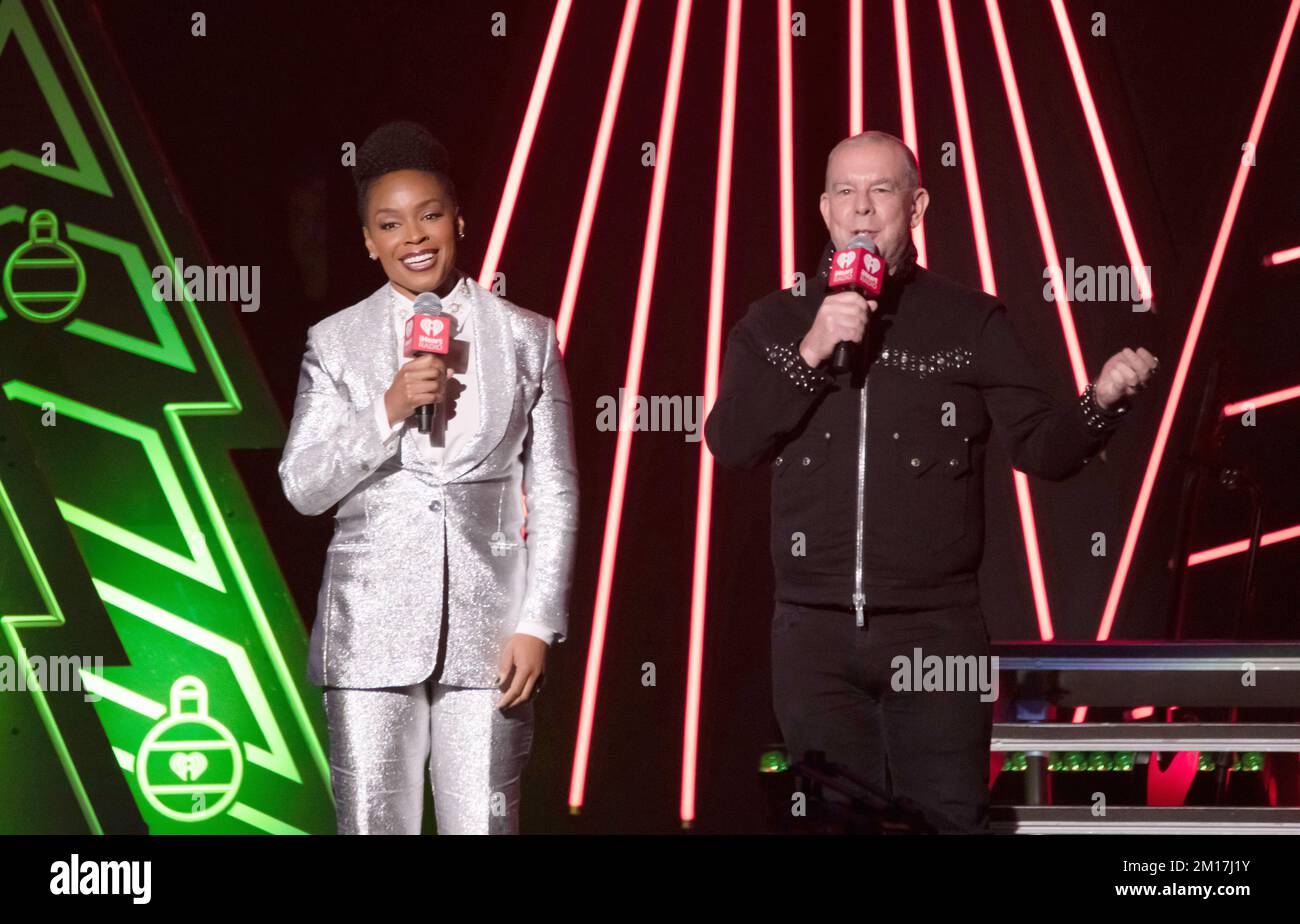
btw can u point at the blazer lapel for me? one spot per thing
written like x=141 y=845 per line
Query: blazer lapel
x=492 y=346
x=375 y=341
x=372 y=343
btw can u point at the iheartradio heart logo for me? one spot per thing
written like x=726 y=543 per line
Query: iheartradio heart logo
x=872 y=263
x=845 y=259
x=188 y=765
x=431 y=326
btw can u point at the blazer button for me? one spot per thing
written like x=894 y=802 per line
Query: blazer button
x=780 y=459
x=435 y=506
x=895 y=436
x=952 y=461
x=915 y=462
x=807 y=461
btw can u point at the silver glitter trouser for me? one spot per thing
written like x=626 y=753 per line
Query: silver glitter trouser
x=382 y=740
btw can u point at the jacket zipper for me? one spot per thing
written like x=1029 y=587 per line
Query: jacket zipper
x=859 y=598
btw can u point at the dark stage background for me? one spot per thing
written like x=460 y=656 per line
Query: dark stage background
x=251 y=119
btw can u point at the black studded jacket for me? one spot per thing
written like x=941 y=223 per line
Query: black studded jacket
x=941 y=368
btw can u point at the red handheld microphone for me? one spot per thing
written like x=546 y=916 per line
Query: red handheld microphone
x=428 y=330
x=859 y=268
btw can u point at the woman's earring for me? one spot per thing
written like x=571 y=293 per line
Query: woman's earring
x=374 y=257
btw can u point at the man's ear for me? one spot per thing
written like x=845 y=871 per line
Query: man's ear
x=825 y=205
x=920 y=202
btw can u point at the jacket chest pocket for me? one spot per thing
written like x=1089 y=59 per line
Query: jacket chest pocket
x=805 y=461
x=932 y=476
x=799 y=493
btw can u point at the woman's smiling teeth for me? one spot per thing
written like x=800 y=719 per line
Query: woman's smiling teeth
x=419 y=261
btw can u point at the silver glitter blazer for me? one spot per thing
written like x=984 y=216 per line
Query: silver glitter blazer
x=403 y=522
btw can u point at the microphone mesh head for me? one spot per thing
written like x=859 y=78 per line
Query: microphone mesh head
x=862 y=241
x=428 y=303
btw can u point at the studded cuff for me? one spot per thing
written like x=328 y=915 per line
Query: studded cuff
x=790 y=362
x=1095 y=417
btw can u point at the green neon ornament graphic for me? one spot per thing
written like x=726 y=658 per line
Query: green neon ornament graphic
x=202 y=720
x=196 y=754
x=45 y=261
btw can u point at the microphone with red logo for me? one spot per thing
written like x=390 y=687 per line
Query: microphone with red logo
x=428 y=330
x=859 y=268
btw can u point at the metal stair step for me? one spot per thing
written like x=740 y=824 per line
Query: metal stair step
x=1146 y=736
x=1069 y=819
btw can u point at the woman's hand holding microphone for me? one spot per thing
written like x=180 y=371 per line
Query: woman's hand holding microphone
x=417 y=383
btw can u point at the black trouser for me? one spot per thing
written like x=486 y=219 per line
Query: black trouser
x=834 y=690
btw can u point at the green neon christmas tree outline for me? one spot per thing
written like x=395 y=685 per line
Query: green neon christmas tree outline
x=87 y=174
x=12 y=15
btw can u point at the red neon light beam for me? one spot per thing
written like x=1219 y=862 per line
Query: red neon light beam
x=1282 y=256
x=855 y=67
x=1024 y=498
x=1194 y=330
x=515 y=176
x=785 y=141
x=596 y=173
x=1103 y=151
x=1241 y=545
x=904 y=54
x=1036 y=191
x=632 y=387
x=713 y=354
x=1273 y=397
x=968 y=165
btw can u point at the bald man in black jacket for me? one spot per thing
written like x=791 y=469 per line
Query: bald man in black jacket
x=877 y=490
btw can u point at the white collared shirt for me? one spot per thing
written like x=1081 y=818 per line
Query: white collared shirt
x=446 y=435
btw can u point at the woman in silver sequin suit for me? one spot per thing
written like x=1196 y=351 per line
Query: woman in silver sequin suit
x=436 y=608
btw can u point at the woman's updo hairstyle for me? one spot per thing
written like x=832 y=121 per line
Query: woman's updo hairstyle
x=399 y=146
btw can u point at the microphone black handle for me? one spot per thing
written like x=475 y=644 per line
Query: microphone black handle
x=840 y=357
x=426 y=413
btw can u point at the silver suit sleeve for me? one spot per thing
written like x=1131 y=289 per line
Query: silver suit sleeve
x=332 y=444
x=550 y=481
